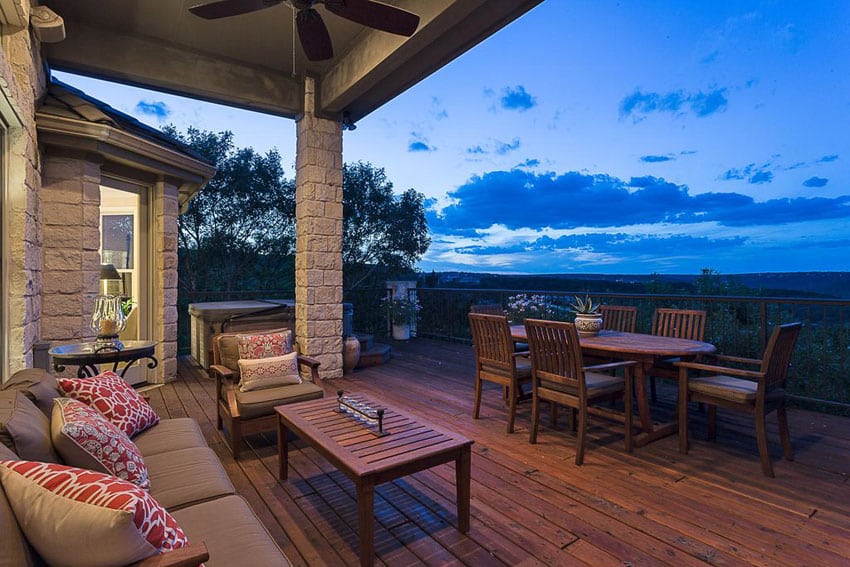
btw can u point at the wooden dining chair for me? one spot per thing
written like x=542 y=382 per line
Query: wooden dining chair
x=678 y=324
x=497 y=361
x=618 y=318
x=560 y=377
x=487 y=309
x=757 y=392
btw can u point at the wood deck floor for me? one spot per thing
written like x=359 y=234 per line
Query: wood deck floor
x=531 y=505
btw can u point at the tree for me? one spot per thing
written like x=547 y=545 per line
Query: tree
x=238 y=232
x=383 y=234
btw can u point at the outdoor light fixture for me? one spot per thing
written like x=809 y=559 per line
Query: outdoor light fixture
x=347 y=122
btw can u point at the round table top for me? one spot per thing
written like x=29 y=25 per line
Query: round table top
x=93 y=350
x=634 y=343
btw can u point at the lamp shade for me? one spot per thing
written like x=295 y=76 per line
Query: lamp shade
x=108 y=272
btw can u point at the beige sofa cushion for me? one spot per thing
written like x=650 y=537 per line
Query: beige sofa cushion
x=170 y=435
x=258 y=403
x=15 y=551
x=180 y=478
x=38 y=385
x=24 y=429
x=232 y=533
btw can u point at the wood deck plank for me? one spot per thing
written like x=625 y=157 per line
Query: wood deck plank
x=530 y=504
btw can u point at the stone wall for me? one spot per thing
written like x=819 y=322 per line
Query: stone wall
x=70 y=204
x=22 y=82
x=318 y=260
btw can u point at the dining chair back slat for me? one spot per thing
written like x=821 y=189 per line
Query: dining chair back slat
x=679 y=323
x=619 y=318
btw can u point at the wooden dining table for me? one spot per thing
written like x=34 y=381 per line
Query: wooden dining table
x=645 y=350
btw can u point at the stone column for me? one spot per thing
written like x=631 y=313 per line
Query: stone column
x=70 y=206
x=318 y=246
x=164 y=279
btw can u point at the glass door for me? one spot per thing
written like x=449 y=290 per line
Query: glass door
x=123 y=244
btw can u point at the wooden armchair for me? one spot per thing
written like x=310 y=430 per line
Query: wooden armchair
x=757 y=392
x=560 y=377
x=497 y=361
x=247 y=413
x=679 y=324
x=618 y=318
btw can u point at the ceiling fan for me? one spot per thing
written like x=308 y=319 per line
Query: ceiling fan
x=312 y=31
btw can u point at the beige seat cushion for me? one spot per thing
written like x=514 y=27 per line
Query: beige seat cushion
x=228 y=348
x=180 y=478
x=14 y=548
x=232 y=533
x=170 y=435
x=597 y=383
x=258 y=403
x=523 y=369
x=24 y=429
x=726 y=387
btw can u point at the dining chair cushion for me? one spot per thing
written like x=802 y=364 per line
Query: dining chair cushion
x=117 y=400
x=270 y=372
x=726 y=387
x=259 y=403
x=596 y=383
x=24 y=429
x=86 y=439
x=264 y=345
x=78 y=517
x=523 y=369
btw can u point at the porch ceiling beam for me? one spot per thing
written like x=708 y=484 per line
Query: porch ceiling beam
x=382 y=65
x=170 y=68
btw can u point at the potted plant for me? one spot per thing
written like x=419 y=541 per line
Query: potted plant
x=401 y=312
x=588 y=319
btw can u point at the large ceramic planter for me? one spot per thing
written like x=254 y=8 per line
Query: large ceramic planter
x=588 y=325
x=401 y=332
x=350 y=353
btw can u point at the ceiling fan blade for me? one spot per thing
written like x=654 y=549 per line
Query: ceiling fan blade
x=375 y=15
x=227 y=8
x=314 y=35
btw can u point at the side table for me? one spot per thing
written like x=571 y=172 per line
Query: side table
x=88 y=355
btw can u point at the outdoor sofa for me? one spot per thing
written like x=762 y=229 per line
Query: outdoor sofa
x=186 y=478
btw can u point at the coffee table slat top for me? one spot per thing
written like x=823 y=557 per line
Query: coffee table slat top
x=359 y=450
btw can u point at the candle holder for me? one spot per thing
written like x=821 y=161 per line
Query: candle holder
x=107 y=321
x=372 y=418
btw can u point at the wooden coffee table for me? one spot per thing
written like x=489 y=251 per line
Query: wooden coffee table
x=410 y=446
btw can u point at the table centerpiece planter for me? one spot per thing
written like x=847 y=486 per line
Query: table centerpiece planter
x=588 y=319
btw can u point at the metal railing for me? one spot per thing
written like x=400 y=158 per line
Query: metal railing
x=738 y=325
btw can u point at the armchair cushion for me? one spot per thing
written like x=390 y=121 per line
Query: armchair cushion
x=86 y=439
x=726 y=387
x=78 y=517
x=112 y=396
x=24 y=429
x=259 y=403
x=523 y=369
x=268 y=372
x=265 y=345
x=226 y=349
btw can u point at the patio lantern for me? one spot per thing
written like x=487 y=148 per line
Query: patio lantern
x=107 y=321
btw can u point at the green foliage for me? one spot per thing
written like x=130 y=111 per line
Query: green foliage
x=384 y=235
x=584 y=306
x=239 y=231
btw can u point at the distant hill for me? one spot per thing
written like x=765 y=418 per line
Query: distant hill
x=782 y=284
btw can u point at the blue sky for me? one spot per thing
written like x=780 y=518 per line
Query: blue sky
x=608 y=137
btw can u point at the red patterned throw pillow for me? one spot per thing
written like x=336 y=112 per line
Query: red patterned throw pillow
x=265 y=345
x=109 y=394
x=77 y=517
x=269 y=372
x=86 y=439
